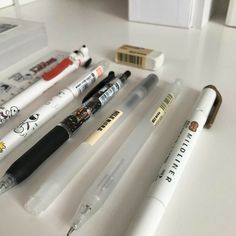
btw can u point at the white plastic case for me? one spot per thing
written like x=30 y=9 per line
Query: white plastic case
x=19 y=39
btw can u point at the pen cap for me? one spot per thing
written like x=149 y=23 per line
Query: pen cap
x=123 y=77
x=146 y=221
x=176 y=87
x=149 y=82
x=205 y=101
x=140 y=91
x=208 y=104
x=42 y=199
x=215 y=107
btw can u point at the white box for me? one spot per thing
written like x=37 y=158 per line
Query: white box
x=178 y=13
x=163 y=12
x=19 y=39
x=202 y=13
x=22 y=2
x=231 y=14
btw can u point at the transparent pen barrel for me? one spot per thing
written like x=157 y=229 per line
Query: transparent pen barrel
x=139 y=92
x=58 y=180
x=109 y=178
x=118 y=116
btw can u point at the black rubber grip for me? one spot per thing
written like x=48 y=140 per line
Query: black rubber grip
x=35 y=156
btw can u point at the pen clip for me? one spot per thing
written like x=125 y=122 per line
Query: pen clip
x=88 y=63
x=215 y=107
x=49 y=75
x=109 y=78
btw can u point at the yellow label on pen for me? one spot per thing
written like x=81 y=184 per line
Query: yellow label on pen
x=106 y=125
x=2 y=146
x=161 y=110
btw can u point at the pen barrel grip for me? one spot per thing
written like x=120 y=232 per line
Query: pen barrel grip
x=36 y=155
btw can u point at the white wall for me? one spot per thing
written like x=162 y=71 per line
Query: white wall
x=5 y=3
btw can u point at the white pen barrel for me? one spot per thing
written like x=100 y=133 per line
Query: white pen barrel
x=49 y=110
x=35 y=121
x=147 y=219
x=174 y=165
x=149 y=215
x=12 y=107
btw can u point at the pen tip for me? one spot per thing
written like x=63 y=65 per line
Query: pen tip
x=71 y=230
x=6 y=183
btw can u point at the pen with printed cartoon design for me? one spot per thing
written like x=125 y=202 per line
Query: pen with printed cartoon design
x=65 y=67
x=50 y=109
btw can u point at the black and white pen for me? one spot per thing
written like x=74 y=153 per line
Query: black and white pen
x=23 y=167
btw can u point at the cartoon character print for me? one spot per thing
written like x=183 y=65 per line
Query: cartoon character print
x=2 y=146
x=26 y=125
x=6 y=114
x=4 y=88
x=193 y=126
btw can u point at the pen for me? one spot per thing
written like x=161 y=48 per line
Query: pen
x=98 y=87
x=65 y=67
x=50 y=109
x=103 y=186
x=23 y=167
x=160 y=193
x=26 y=77
x=104 y=134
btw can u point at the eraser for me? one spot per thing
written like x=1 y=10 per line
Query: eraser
x=139 y=57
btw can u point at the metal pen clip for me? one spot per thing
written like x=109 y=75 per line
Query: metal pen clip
x=111 y=76
x=215 y=108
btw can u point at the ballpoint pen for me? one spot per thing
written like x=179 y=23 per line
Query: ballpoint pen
x=50 y=109
x=103 y=186
x=162 y=189
x=98 y=87
x=65 y=67
x=23 y=167
x=104 y=134
x=21 y=80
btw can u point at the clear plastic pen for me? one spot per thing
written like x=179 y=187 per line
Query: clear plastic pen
x=103 y=186
x=59 y=179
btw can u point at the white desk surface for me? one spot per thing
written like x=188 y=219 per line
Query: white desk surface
x=204 y=202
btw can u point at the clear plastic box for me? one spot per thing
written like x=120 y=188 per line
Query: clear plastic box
x=19 y=39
